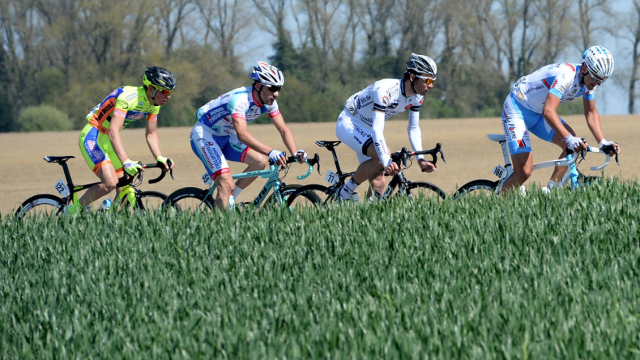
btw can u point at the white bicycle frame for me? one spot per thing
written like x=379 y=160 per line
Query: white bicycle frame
x=503 y=172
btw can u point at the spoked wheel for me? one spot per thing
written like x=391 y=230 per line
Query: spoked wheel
x=189 y=200
x=309 y=196
x=477 y=188
x=422 y=189
x=285 y=192
x=40 y=205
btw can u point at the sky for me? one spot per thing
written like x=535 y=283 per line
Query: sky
x=611 y=97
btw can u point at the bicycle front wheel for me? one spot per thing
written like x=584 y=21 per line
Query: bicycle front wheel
x=150 y=200
x=285 y=191
x=477 y=188
x=422 y=189
x=310 y=196
x=189 y=200
x=40 y=205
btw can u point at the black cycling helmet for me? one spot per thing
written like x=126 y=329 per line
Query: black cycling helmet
x=159 y=77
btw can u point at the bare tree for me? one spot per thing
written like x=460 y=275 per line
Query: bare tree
x=588 y=23
x=225 y=19
x=630 y=32
x=172 y=14
x=556 y=26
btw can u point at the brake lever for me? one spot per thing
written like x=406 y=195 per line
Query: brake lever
x=316 y=158
x=442 y=156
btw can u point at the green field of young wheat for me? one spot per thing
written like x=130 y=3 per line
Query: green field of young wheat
x=514 y=277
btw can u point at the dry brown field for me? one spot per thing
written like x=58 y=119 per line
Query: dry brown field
x=469 y=154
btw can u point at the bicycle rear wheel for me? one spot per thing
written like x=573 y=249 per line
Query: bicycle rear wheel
x=423 y=189
x=286 y=192
x=310 y=196
x=477 y=188
x=189 y=200
x=40 y=205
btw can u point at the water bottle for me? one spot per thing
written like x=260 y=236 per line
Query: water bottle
x=106 y=205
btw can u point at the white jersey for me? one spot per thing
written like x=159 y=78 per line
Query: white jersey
x=217 y=114
x=561 y=80
x=386 y=95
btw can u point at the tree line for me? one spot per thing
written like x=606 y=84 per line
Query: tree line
x=59 y=58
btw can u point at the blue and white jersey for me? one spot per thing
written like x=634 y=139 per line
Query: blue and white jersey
x=561 y=80
x=217 y=114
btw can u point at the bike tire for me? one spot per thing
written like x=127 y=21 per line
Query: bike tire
x=42 y=204
x=310 y=196
x=424 y=189
x=590 y=180
x=150 y=200
x=189 y=199
x=286 y=192
x=477 y=188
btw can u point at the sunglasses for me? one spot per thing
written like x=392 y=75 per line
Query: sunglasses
x=274 y=88
x=164 y=92
x=596 y=79
x=425 y=79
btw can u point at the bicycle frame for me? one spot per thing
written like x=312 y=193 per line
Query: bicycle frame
x=570 y=176
x=273 y=183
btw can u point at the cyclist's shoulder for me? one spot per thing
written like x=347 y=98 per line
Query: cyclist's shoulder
x=386 y=84
x=128 y=97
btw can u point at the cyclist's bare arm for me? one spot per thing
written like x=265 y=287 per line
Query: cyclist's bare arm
x=117 y=121
x=551 y=115
x=153 y=141
x=285 y=132
x=246 y=138
x=593 y=119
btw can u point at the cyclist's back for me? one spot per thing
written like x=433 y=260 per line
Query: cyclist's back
x=562 y=80
x=217 y=113
x=129 y=101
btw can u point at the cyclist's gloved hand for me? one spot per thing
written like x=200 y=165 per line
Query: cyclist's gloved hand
x=607 y=144
x=162 y=159
x=573 y=142
x=276 y=155
x=301 y=155
x=132 y=167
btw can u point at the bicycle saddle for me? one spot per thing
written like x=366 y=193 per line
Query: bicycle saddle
x=324 y=143
x=58 y=159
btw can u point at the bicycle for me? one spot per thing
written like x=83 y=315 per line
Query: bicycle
x=317 y=195
x=572 y=176
x=52 y=204
x=193 y=198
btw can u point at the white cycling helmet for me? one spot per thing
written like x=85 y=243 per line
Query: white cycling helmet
x=422 y=64
x=267 y=74
x=599 y=61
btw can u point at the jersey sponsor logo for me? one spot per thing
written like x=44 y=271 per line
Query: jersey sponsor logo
x=91 y=144
x=104 y=111
x=215 y=113
x=122 y=104
x=135 y=115
x=239 y=116
x=360 y=131
x=408 y=106
x=366 y=120
x=363 y=101
x=385 y=100
x=554 y=83
x=421 y=101
x=241 y=107
x=274 y=114
x=114 y=92
x=393 y=91
x=98 y=155
x=534 y=88
x=132 y=96
x=153 y=117
x=119 y=112
x=141 y=103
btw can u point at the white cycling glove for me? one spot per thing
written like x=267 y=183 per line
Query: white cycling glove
x=274 y=155
x=301 y=154
x=572 y=141
x=604 y=143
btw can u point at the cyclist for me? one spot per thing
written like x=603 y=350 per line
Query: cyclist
x=100 y=141
x=531 y=107
x=360 y=125
x=221 y=133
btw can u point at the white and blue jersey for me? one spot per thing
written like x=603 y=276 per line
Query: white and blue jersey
x=522 y=111
x=217 y=113
x=213 y=138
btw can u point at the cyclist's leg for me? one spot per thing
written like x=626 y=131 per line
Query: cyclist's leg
x=207 y=148
x=515 y=119
x=239 y=152
x=98 y=153
x=377 y=180
x=358 y=138
x=547 y=134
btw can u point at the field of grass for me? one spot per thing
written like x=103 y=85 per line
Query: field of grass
x=533 y=277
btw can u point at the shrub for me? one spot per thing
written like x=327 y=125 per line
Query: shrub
x=43 y=118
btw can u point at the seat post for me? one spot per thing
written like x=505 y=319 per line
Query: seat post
x=335 y=159
x=67 y=174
